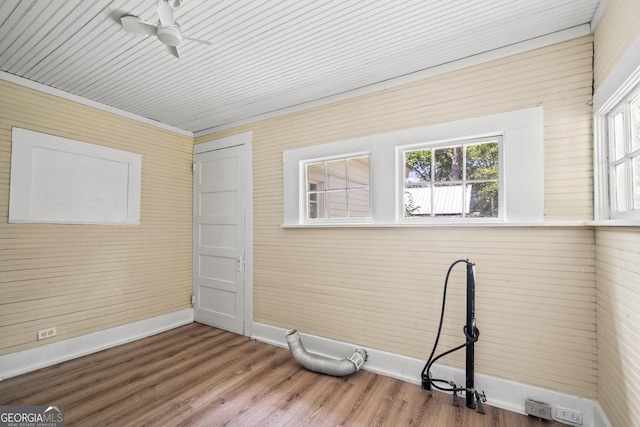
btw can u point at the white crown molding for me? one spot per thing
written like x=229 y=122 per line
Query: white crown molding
x=89 y=103
x=535 y=43
x=602 y=4
x=624 y=76
x=538 y=42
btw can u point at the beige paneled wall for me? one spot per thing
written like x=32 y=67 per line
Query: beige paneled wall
x=618 y=292
x=381 y=287
x=617 y=30
x=618 y=253
x=84 y=278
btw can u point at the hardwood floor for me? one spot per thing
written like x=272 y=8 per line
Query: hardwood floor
x=201 y=376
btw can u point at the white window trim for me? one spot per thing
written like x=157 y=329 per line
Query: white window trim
x=400 y=218
x=620 y=82
x=523 y=169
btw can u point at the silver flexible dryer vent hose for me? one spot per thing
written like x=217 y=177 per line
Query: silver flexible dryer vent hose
x=323 y=364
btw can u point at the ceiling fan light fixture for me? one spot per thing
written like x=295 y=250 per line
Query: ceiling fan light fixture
x=167 y=30
x=170 y=36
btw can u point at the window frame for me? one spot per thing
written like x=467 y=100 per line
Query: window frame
x=522 y=151
x=622 y=86
x=456 y=142
x=624 y=108
x=304 y=192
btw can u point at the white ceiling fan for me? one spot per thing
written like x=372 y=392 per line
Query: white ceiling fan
x=167 y=30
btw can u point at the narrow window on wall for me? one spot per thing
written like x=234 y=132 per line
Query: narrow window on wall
x=623 y=123
x=459 y=179
x=337 y=189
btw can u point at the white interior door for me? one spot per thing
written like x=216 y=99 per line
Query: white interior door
x=219 y=279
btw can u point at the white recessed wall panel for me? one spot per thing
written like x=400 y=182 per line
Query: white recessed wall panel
x=70 y=187
x=59 y=180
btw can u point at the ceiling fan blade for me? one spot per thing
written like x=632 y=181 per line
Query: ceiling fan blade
x=207 y=42
x=173 y=50
x=135 y=25
x=165 y=13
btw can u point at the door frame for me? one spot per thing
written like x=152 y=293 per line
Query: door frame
x=245 y=140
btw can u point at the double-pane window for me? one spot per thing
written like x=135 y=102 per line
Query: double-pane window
x=474 y=172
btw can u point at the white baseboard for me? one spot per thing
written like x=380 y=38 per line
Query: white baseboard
x=21 y=362
x=601 y=417
x=501 y=393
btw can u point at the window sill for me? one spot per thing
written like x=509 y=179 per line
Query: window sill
x=476 y=224
x=616 y=223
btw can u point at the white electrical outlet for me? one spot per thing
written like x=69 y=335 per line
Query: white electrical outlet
x=538 y=409
x=564 y=414
x=43 y=334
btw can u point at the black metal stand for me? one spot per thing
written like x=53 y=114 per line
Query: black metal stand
x=470 y=331
x=474 y=399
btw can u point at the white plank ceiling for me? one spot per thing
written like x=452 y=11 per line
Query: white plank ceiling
x=266 y=55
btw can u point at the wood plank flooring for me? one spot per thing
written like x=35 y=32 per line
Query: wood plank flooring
x=196 y=375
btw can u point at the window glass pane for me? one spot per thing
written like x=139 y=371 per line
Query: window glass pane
x=337 y=204
x=336 y=175
x=624 y=157
x=417 y=201
x=620 y=187
x=315 y=176
x=635 y=118
x=358 y=172
x=482 y=161
x=618 y=149
x=328 y=184
x=635 y=166
x=417 y=166
x=448 y=164
x=483 y=200
x=315 y=205
x=448 y=200
x=456 y=172
x=359 y=203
